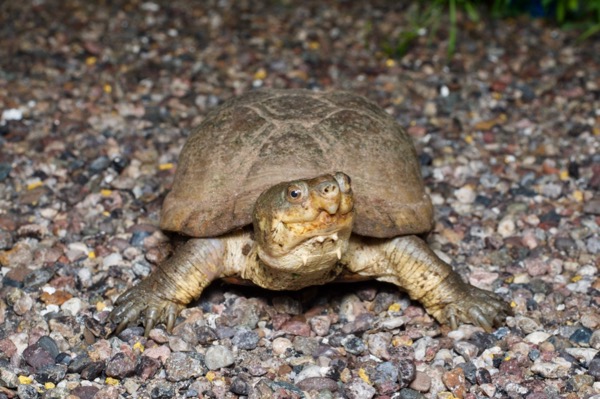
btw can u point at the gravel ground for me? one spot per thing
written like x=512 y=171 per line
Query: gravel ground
x=97 y=101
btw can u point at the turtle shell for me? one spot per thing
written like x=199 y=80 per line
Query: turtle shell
x=265 y=137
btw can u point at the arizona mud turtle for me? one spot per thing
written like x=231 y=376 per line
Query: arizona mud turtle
x=291 y=188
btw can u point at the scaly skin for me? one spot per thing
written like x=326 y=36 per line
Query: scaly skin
x=411 y=265
x=302 y=237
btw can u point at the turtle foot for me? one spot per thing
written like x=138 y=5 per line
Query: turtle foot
x=479 y=307
x=140 y=303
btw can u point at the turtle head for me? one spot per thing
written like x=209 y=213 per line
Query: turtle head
x=304 y=225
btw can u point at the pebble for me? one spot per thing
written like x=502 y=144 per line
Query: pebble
x=72 y=306
x=595 y=339
x=51 y=373
x=358 y=389
x=159 y=352
x=92 y=371
x=296 y=327
x=537 y=337
x=506 y=227
x=306 y=345
x=320 y=325
x=217 y=357
x=455 y=381
x=8 y=378
x=594 y=368
x=317 y=384
x=39 y=355
x=23 y=304
x=245 y=339
x=354 y=345
x=113 y=259
x=181 y=366
x=378 y=345
x=581 y=336
x=239 y=386
x=85 y=392
x=466 y=349
x=558 y=368
x=121 y=365
x=421 y=382
x=147 y=367
x=281 y=345
x=407 y=393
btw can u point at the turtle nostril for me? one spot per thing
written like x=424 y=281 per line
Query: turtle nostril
x=329 y=190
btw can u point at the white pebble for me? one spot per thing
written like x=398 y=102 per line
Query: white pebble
x=506 y=227
x=281 y=345
x=113 y=259
x=73 y=305
x=537 y=337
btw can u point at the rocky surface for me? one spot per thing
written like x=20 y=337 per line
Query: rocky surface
x=96 y=101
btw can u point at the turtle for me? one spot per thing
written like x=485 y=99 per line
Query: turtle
x=290 y=188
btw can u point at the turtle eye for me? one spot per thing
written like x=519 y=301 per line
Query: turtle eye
x=294 y=193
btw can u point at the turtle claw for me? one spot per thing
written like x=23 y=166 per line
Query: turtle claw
x=479 y=307
x=139 y=300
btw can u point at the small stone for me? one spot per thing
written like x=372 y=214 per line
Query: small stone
x=317 y=384
x=245 y=339
x=78 y=363
x=385 y=377
x=239 y=386
x=296 y=327
x=466 y=350
x=162 y=390
x=584 y=355
x=358 y=389
x=99 y=164
x=92 y=371
x=147 y=367
x=120 y=366
x=537 y=337
x=465 y=195
x=558 y=368
x=595 y=339
x=27 y=392
x=113 y=259
x=8 y=378
x=159 y=352
x=455 y=381
x=421 y=383
x=38 y=356
x=206 y=335
x=394 y=322
x=361 y=323
x=73 y=306
x=354 y=345
x=506 y=227
x=406 y=372
x=378 y=345
x=218 y=357
x=407 y=393
x=181 y=366
x=23 y=304
x=581 y=336
x=591 y=207
x=594 y=368
x=51 y=373
x=85 y=391
x=306 y=345
x=320 y=325
x=280 y=345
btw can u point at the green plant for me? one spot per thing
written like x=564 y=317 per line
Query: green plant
x=425 y=17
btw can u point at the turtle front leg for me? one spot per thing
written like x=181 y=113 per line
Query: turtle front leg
x=174 y=284
x=410 y=264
